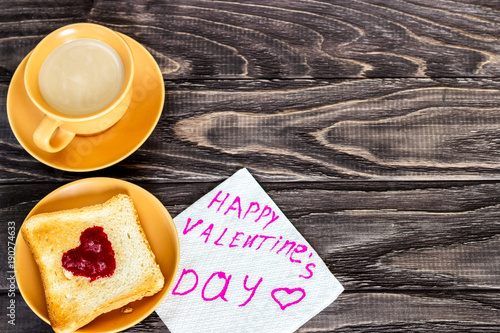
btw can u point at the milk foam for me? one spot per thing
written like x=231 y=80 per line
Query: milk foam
x=81 y=76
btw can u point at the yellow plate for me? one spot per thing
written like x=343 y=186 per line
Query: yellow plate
x=88 y=153
x=156 y=222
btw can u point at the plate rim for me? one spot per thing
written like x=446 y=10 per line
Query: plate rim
x=124 y=184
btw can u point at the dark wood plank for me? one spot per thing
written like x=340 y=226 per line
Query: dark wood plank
x=382 y=236
x=390 y=312
x=305 y=130
x=280 y=39
x=353 y=312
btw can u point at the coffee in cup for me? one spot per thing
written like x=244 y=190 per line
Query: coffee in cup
x=80 y=76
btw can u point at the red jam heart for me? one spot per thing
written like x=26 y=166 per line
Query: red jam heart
x=94 y=258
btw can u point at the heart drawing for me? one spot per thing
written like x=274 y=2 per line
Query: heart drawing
x=288 y=296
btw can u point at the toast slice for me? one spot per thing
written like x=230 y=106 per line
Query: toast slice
x=73 y=300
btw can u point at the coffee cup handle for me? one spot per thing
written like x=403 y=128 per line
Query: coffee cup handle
x=49 y=138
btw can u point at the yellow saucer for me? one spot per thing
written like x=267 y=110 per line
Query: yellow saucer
x=156 y=222
x=88 y=153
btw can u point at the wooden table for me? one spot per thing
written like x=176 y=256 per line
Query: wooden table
x=374 y=125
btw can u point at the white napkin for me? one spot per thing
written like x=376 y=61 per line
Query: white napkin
x=243 y=266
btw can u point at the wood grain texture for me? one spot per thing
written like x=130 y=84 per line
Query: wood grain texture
x=390 y=312
x=281 y=39
x=387 y=236
x=306 y=130
x=357 y=312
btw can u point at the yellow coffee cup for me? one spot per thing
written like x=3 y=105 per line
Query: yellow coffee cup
x=80 y=76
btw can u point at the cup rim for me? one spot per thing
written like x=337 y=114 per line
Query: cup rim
x=49 y=110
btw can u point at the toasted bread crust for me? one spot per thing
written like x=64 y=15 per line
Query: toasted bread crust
x=75 y=301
